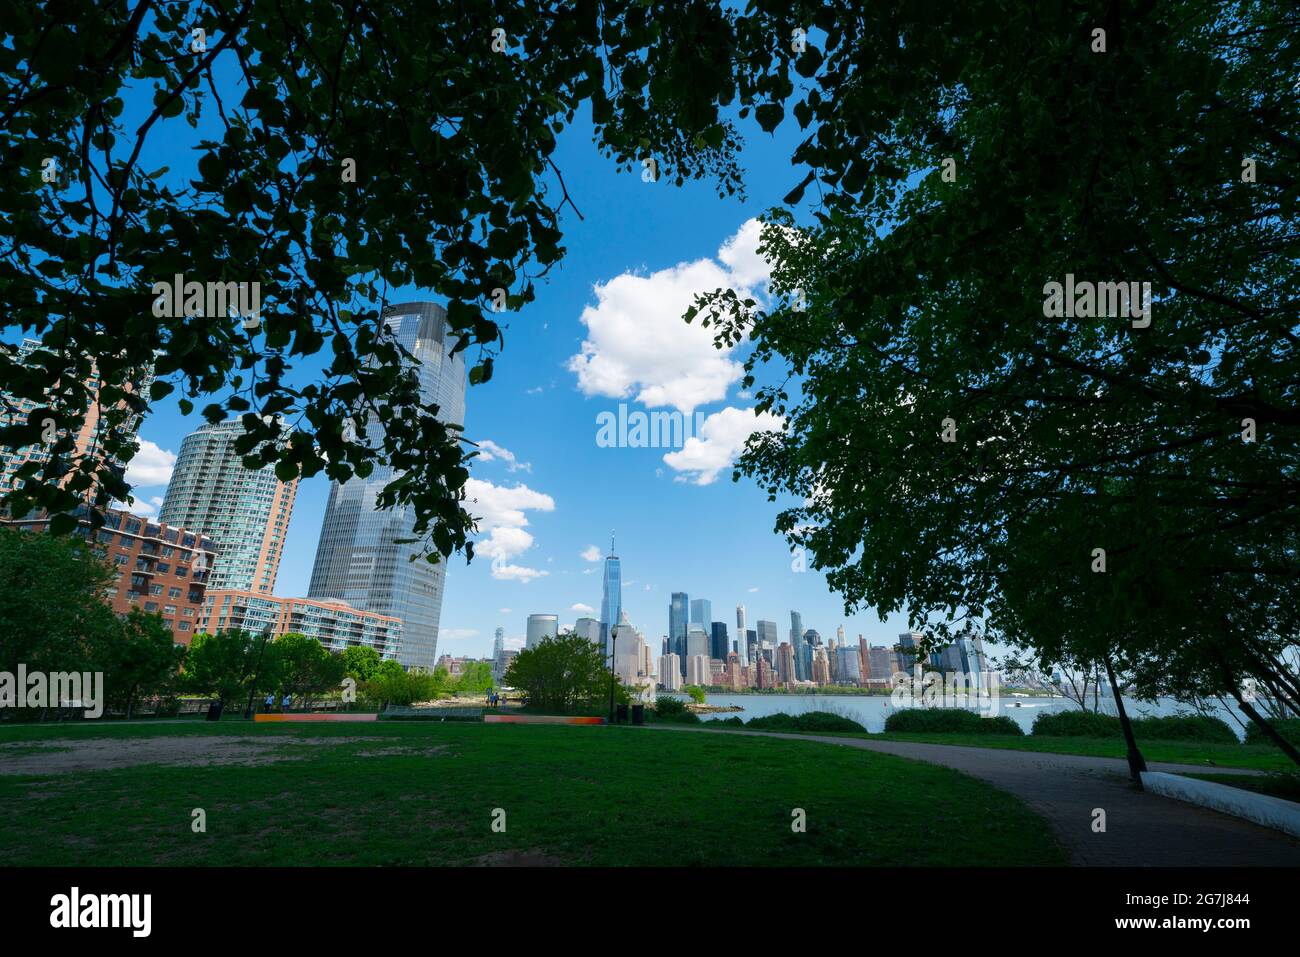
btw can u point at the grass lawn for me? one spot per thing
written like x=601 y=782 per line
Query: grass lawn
x=1251 y=756
x=424 y=793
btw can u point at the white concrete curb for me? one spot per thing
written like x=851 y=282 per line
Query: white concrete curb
x=1261 y=808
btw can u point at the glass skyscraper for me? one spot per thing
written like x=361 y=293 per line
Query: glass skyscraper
x=245 y=512
x=611 y=600
x=359 y=558
x=678 y=614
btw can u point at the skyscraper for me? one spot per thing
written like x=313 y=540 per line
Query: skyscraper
x=499 y=644
x=539 y=627
x=720 y=647
x=801 y=669
x=767 y=634
x=359 y=557
x=677 y=622
x=245 y=512
x=588 y=628
x=611 y=602
x=741 y=650
x=90 y=438
x=702 y=613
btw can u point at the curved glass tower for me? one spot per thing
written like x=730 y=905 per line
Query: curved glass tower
x=359 y=558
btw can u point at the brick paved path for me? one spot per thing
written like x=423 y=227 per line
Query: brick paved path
x=1141 y=828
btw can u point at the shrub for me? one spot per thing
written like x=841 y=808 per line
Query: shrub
x=733 y=721
x=665 y=706
x=1289 y=728
x=948 y=721
x=808 y=721
x=1076 y=724
x=1185 y=727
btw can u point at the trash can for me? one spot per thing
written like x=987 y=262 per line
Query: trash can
x=214 y=711
x=638 y=714
x=620 y=715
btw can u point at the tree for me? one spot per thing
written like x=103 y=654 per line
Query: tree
x=563 y=674
x=138 y=659
x=1098 y=483
x=695 y=693
x=326 y=152
x=305 y=667
x=53 y=611
x=360 y=662
x=475 y=679
x=226 y=665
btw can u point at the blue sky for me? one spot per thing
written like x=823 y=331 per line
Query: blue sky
x=605 y=328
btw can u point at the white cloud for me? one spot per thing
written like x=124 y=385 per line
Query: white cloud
x=581 y=608
x=754 y=589
x=721 y=438
x=504 y=611
x=152 y=465
x=500 y=511
x=591 y=554
x=520 y=573
x=144 y=507
x=637 y=344
x=489 y=451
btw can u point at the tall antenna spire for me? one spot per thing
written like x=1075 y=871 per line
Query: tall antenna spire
x=611 y=541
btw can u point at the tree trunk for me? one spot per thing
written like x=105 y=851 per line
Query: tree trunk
x=1136 y=763
x=1251 y=712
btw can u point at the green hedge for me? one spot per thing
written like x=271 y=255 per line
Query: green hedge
x=1185 y=727
x=1174 y=727
x=1289 y=728
x=807 y=721
x=674 y=710
x=1076 y=724
x=948 y=721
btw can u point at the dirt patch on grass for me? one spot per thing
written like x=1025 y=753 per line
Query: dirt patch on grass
x=402 y=750
x=528 y=858
x=106 y=754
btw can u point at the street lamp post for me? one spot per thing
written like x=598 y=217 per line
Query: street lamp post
x=613 y=650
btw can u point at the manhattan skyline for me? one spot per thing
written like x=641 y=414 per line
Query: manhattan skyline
x=605 y=330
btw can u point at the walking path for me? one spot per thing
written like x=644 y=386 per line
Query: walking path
x=1141 y=828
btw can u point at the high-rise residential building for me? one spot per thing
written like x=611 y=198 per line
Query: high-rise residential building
x=670 y=672
x=539 y=627
x=785 y=663
x=159 y=568
x=335 y=624
x=767 y=635
x=821 y=672
x=698 y=671
x=719 y=646
x=751 y=645
x=611 y=601
x=678 y=615
x=590 y=629
x=796 y=628
x=90 y=438
x=246 y=512
x=361 y=557
x=702 y=613
x=741 y=651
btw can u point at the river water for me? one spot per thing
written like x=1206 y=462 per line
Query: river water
x=871 y=710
